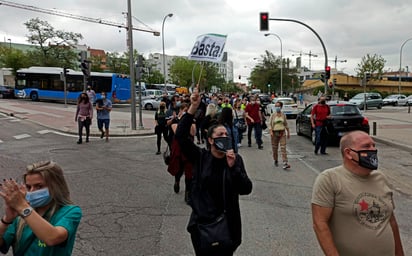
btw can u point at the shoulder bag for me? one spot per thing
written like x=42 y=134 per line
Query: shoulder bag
x=216 y=235
x=240 y=124
x=166 y=155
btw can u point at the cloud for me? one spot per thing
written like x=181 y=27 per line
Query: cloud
x=349 y=29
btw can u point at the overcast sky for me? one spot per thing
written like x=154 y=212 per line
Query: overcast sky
x=350 y=29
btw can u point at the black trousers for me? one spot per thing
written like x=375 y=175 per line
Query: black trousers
x=86 y=124
x=159 y=131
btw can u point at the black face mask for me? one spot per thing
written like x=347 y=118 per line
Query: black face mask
x=367 y=158
x=322 y=102
x=222 y=144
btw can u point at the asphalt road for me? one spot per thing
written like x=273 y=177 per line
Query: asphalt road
x=130 y=208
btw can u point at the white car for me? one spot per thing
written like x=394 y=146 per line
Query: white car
x=290 y=108
x=151 y=104
x=409 y=100
x=395 y=100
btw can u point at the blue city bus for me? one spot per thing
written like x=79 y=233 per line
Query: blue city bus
x=45 y=83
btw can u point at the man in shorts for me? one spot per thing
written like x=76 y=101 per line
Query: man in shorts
x=103 y=107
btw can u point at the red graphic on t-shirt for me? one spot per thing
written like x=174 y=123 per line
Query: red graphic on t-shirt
x=364 y=205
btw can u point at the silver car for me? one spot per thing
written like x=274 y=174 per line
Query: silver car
x=373 y=100
x=151 y=104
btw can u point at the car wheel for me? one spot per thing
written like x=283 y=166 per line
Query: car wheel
x=379 y=106
x=34 y=96
x=148 y=106
x=313 y=137
x=298 y=129
x=1 y=96
x=395 y=103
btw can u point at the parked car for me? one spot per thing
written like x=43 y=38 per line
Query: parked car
x=290 y=108
x=6 y=92
x=409 y=100
x=149 y=94
x=373 y=100
x=151 y=104
x=395 y=100
x=345 y=117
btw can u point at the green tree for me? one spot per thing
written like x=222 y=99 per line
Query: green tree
x=373 y=64
x=267 y=71
x=14 y=59
x=181 y=71
x=55 y=46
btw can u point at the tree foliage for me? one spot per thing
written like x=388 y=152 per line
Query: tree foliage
x=267 y=71
x=14 y=59
x=55 y=47
x=373 y=64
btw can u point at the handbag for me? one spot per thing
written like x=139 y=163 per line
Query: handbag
x=166 y=155
x=216 y=235
x=241 y=125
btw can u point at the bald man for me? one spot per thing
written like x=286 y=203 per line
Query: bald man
x=352 y=204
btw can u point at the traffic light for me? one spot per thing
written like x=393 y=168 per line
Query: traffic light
x=327 y=72
x=322 y=77
x=240 y=77
x=85 y=66
x=65 y=71
x=139 y=67
x=367 y=77
x=264 y=21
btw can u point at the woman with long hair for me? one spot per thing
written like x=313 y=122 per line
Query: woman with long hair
x=84 y=116
x=39 y=218
x=161 y=125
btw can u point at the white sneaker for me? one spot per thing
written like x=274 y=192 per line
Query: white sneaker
x=239 y=145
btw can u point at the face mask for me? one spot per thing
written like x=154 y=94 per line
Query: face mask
x=162 y=107
x=38 y=198
x=278 y=109
x=178 y=103
x=322 y=102
x=367 y=158
x=103 y=96
x=253 y=102
x=222 y=144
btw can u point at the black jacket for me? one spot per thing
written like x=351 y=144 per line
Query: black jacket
x=207 y=183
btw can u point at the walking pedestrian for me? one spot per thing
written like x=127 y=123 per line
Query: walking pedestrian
x=103 y=107
x=318 y=117
x=161 y=125
x=239 y=120
x=84 y=116
x=353 y=204
x=39 y=218
x=226 y=119
x=91 y=94
x=279 y=131
x=219 y=178
x=254 y=122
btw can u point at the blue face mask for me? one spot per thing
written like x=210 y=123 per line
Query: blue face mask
x=278 y=109
x=38 y=198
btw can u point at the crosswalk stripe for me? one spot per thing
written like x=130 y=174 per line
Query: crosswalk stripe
x=1 y=141
x=22 y=136
x=14 y=120
x=44 y=131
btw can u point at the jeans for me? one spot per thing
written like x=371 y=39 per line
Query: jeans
x=321 y=139
x=86 y=124
x=258 y=133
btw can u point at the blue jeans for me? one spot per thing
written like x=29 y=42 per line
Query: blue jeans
x=258 y=133
x=321 y=139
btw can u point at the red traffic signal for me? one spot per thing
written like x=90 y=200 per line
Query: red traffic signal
x=264 y=21
x=327 y=72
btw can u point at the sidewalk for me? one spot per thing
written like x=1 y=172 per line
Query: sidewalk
x=61 y=118
x=393 y=126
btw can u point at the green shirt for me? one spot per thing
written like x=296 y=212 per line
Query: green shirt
x=67 y=217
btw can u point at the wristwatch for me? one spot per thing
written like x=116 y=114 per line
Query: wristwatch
x=26 y=212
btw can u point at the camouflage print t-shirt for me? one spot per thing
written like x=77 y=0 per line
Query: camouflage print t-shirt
x=362 y=208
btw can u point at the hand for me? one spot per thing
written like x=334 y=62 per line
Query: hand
x=14 y=196
x=230 y=157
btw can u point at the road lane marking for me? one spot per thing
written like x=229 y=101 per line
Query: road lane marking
x=22 y=136
x=44 y=131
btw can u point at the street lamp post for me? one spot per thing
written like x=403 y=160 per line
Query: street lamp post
x=400 y=64
x=9 y=42
x=163 y=47
x=281 y=61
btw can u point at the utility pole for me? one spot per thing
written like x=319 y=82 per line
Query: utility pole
x=310 y=54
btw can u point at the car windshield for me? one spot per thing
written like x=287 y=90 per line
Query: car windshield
x=392 y=97
x=359 y=96
x=344 y=110
x=287 y=101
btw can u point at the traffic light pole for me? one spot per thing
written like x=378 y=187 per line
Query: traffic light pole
x=320 y=39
